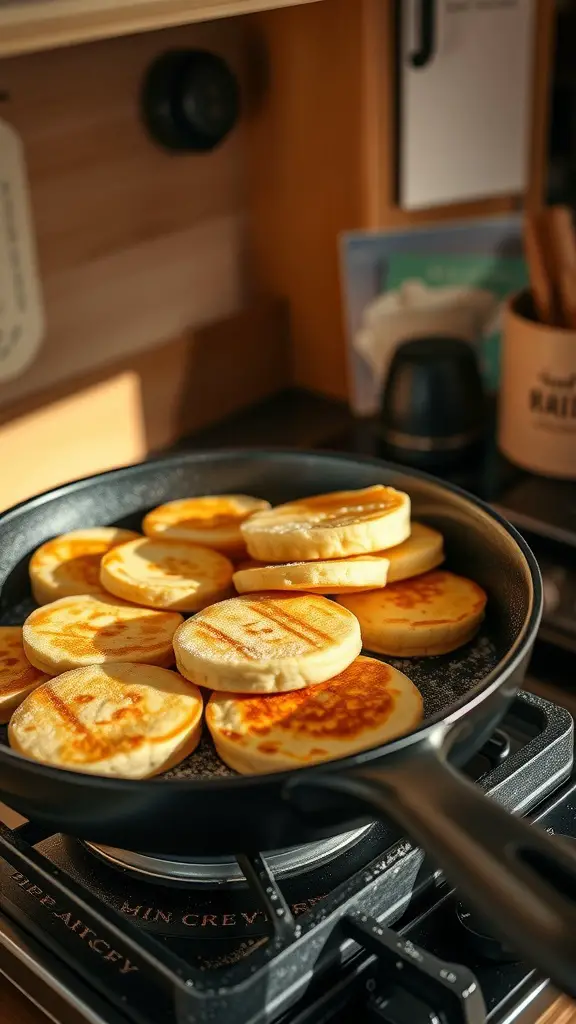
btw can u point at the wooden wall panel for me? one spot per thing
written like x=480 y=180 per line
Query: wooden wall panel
x=139 y=248
x=151 y=332
x=136 y=245
x=120 y=413
x=91 y=429
x=305 y=171
x=541 y=100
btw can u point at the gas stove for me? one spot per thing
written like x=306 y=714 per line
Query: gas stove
x=320 y=933
x=360 y=927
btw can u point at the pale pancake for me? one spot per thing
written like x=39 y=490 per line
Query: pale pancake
x=17 y=676
x=330 y=526
x=70 y=564
x=249 y=563
x=363 y=707
x=92 y=630
x=126 y=720
x=213 y=521
x=167 y=574
x=430 y=614
x=267 y=642
x=424 y=550
x=336 y=576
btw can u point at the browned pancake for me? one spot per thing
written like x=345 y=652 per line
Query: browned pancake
x=365 y=705
x=91 y=630
x=429 y=614
x=213 y=521
x=70 y=564
x=167 y=574
x=17 y=676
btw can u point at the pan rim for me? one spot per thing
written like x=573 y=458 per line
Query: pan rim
x=434 y=728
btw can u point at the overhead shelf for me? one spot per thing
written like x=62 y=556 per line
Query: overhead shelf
x=30 y=25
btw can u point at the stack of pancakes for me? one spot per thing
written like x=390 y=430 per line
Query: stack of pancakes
x=87 y=681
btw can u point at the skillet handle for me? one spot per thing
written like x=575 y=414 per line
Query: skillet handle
x=520 y=879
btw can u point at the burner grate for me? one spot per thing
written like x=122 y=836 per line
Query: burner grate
x=148 y=980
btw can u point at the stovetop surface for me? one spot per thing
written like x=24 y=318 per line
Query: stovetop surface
x=207 y=953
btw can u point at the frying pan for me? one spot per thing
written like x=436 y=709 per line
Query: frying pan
x=515 y=875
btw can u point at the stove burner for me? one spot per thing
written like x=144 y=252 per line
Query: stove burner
x=213 y=870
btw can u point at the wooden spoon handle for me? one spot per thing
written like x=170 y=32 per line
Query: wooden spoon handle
x=539 y=267
x=563 y=246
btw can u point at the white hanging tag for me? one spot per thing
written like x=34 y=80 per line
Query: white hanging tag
x=21 y=310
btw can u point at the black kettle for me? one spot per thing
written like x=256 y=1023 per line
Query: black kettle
x=433 y=410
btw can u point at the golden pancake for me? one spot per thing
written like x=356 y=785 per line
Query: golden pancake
x=167 y=574
x=213 y=521
x=366 y=705
x=330 y=526
x=430 y=614
x=92 y=630
x=266 y=643
x=17 y=676
x=127 y=720
x=424 y=550
x=249 y=563
x=70 y=564
x=334 y=576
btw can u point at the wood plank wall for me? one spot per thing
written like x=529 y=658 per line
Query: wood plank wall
x=136 y=245
x=138 y=250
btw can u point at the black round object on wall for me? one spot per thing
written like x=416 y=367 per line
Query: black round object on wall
x=190 y=100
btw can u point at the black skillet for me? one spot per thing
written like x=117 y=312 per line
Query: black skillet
x=511 y=872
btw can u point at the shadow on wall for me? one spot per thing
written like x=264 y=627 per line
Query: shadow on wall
x=120 y=414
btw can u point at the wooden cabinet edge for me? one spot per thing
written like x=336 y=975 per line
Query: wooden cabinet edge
x=47 y=24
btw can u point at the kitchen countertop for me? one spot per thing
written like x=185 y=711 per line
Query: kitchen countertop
x=15 y=1008
x=292 y=418
x=562 y=1012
